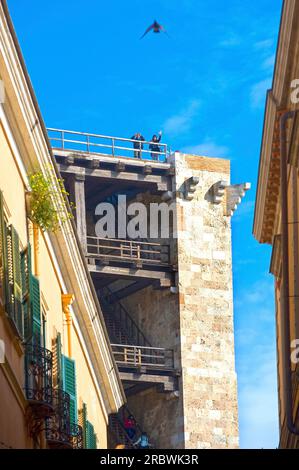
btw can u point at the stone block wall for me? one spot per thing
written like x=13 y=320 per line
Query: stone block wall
x=197 y=322
x=160 y=414
x=206 y=308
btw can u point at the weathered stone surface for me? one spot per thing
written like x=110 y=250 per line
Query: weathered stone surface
x=197 y=323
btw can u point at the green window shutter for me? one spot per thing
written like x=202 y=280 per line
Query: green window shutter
x=17 y=281
x=69 y=385
x=35 y=309
x=82 y=422
x=3 y=256
x=94 y=440
x=57 y=361
x=91 y=440
x=4 y=284
x=25 y=276
x=9 y=294
x=26 y=270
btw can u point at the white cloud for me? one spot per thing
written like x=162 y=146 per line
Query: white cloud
x=181 y=122
x=269 y=62
x=258 y=92
x=207 y=148
x=264 y=45
x=231 y=41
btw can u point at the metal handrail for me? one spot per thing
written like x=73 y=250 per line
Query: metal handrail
x=138 y=356
x=128 y=250
x=88 y=144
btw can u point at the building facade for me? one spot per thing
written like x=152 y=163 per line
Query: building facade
x=276 y=214
x=58 y=378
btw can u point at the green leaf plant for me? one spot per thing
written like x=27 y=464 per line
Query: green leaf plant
x=43 y=211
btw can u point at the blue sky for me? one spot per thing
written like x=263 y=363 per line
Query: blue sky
x=205 y=88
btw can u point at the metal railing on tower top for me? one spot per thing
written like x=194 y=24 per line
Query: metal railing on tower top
x=92 y=144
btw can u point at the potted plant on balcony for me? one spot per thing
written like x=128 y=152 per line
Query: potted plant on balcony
x=46 y=201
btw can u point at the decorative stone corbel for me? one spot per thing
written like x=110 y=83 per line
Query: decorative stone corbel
x=217 y=191
x=190 y=187
x=234 y=195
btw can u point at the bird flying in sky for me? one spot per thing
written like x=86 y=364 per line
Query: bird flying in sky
x=156 y=27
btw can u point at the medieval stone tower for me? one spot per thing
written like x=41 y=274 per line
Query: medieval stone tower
x=167 y=302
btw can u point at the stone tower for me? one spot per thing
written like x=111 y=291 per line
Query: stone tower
x=168 y=303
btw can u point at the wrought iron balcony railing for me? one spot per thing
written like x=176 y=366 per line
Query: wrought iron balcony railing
x=76 y=436
x=58 y=426
x=60 y=432
x=38 y=379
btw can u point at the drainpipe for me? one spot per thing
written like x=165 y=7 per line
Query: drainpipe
x=67 y=300
x=285 y=297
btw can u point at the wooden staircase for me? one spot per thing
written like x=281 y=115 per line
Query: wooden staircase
x=120 y=325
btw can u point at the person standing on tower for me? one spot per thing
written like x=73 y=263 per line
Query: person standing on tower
x=138 y=144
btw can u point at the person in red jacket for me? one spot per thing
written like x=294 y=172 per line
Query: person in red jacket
x=130 y=426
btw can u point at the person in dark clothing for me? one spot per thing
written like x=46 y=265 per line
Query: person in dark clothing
x=130 y=426
x=154 y=147
x=138 y=144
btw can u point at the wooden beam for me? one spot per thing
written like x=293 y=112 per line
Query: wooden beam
x=78 y=195
x=112 y=160
x=130 y=273
x=129 y=290
x=137 y=388
x=154 y=379
x=163 y=183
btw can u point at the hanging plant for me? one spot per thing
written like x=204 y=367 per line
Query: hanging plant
x=41 y=208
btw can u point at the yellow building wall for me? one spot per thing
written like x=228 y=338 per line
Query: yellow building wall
x=56 y=322
x=12 y=186
x=86 y=392
x=14 y=432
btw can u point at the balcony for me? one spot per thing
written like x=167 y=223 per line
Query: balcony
x=60 y=432
x=86 y=144
x=144 y=366
x=38 y=380
x=129 y=356
x=131 y=260
x=128 y=251
x=76 y=436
